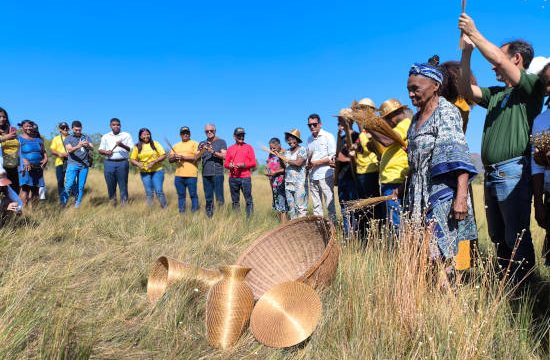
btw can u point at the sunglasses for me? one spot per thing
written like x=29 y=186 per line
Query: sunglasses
x=64 y=128
x=185 y=133
x=209 y=131
x=312 y=125
x=240 y=136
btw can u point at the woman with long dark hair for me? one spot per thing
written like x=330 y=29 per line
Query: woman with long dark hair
x=148 y=155
x=33 y=160
x=10 y=149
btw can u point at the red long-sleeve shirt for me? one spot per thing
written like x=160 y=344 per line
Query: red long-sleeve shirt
x=240 y=154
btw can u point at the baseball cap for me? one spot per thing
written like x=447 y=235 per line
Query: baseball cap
x=238 y=131
x=62 y=125
x=185 y=129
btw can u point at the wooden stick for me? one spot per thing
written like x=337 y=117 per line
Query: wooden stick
x=363 y=203
x=461 y=41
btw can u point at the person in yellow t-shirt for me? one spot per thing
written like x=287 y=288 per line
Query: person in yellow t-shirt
x=9 y=149
x=185 y=154
x=57 y=148
x=394 y=164
x=148 y=156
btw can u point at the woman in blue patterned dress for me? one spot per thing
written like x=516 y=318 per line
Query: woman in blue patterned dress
x=33 y=160
x=295 y=175
x=440 y=166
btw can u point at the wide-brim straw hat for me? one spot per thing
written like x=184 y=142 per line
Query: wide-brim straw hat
x=303 y=249
x=4 y=181
x=286 y=315
x=345 y=113
x=389 y=106
x=367 y=102
x=295 y=133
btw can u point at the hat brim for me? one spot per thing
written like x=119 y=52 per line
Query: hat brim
x=294 y=136
x=394 y=110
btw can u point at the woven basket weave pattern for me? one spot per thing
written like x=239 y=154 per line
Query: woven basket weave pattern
x=304 y=249
x=286 y=315
x=228 y=307
x=167 y=271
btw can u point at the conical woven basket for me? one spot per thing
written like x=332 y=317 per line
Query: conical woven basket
x=304 y=249
x=286 y=315
x=167 y=271
x=228 y=307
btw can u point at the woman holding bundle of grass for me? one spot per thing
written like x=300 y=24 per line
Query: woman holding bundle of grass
x=148 y=156
x=440 y=165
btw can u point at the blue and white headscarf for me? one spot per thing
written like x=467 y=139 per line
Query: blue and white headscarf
x=428 y=71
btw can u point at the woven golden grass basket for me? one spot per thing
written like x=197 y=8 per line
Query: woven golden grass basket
x=304 y=249
x=166 y=271
x=286 y=315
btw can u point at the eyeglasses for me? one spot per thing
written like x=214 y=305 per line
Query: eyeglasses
x=312 y=125
x=209 y=131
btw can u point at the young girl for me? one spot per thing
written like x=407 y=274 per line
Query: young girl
x=148 y=155
x=275 y=170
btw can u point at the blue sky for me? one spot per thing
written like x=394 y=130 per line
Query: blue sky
x=261 y=65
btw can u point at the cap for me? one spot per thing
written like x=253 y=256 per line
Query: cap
x=185 y=129
x=62 y=125
x=238 y=131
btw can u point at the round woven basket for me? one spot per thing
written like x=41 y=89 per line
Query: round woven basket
x=304 y=249
x=167 y=271
x=286 y=315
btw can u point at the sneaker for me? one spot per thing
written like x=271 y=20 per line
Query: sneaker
x=76 y=205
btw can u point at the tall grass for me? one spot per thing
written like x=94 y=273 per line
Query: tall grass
x=73 y=285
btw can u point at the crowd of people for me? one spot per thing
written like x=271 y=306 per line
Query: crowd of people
x=423 y=166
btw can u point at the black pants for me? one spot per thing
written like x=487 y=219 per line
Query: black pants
x=13 y=175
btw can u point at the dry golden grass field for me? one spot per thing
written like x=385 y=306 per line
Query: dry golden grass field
x=73 y=285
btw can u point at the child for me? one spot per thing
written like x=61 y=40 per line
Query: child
x=275 y=170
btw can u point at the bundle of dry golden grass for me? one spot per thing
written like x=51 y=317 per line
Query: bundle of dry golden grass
x=359 y=204
x=367 y=118
x=541 y=141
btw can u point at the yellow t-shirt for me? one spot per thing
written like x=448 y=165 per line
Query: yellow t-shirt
x=147 y=155
x=394 y=164
x=366 y=161
x=57 y=146
x=10 y=152
x=186 y=168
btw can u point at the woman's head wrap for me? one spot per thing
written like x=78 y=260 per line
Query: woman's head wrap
x=428 y=71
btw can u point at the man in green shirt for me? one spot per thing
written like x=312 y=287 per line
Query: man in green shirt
x=505 y=148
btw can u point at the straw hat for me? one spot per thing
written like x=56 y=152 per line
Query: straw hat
x=367 y=102
x=345 y=113
x=295 y=133
x=286 y=315
x=4 y=181
x=389 y=106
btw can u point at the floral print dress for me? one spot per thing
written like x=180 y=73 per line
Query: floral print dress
x=295 y=184
x=277 y=183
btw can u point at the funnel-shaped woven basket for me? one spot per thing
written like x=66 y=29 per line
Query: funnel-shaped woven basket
x=304 y=249
x=286 y=315
x=167 y=271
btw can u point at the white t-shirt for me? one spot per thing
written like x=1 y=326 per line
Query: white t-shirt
x=321 y=147
x=541 y=124
x=109 y=140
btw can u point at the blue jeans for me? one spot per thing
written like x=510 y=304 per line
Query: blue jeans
x=393 y=207
x=75 y=173
x=189 y=183
x=347 y=191
x=213 y=185
x=116 y=172
x=508 y=211
x=152 y=182
x=244 y=184
x=60 y=176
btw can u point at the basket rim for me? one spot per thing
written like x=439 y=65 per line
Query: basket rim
x=326 y=252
